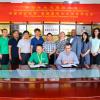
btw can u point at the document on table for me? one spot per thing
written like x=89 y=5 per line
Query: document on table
x=37 y=66
x=69 y=65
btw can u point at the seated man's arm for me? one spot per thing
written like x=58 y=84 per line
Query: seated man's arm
x=31 y=59
x=46 y=59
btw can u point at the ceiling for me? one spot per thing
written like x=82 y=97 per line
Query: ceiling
x=66 y=1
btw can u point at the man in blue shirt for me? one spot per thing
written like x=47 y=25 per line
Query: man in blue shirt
x=36 y=40
x=67 y=57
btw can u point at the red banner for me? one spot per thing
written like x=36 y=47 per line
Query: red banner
x=33 y=12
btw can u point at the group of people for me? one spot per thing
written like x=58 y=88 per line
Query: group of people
x=84 y=50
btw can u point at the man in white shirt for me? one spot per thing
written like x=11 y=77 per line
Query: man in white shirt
x=24 y=46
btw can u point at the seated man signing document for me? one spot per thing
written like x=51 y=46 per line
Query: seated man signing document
x=67 y=58
x=39 y=57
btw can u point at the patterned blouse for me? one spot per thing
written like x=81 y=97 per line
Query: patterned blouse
x=60 y=45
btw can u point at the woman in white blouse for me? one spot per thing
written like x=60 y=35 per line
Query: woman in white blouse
x=95 y=50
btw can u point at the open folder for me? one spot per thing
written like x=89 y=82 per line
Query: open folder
x=69 y=65
x=37 y=66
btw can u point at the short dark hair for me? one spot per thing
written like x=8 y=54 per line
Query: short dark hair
x=15 y=31
x=37 y=29
x=25 y=32
x=39 y=45
x=93 y=35
x=49 y=34
x=68 y=44
x=4 y=29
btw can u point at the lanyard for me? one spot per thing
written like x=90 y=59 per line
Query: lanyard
x=39 y=58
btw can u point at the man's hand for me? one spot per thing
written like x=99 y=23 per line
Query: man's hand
x=30 y=63
x=10 y=58
x=94 y=54
x=0 y=56
x=50 y=55
x=82 y=55
x=71 y=62
x=64 y=62
x=20 y=58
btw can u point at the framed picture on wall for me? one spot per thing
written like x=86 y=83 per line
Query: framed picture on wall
x=31 y=27
x=51 y=28
x=67 y=28
x=20 y=27
x=83 y=28
x=95 y=26
x=4 y=26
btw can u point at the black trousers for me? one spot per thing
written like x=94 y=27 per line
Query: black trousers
x=52 y=59
x=14 y=63
x=95 y=59
x=5 y=59
x=25 y=58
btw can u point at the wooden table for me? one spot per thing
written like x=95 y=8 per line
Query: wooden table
x=44 y=90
